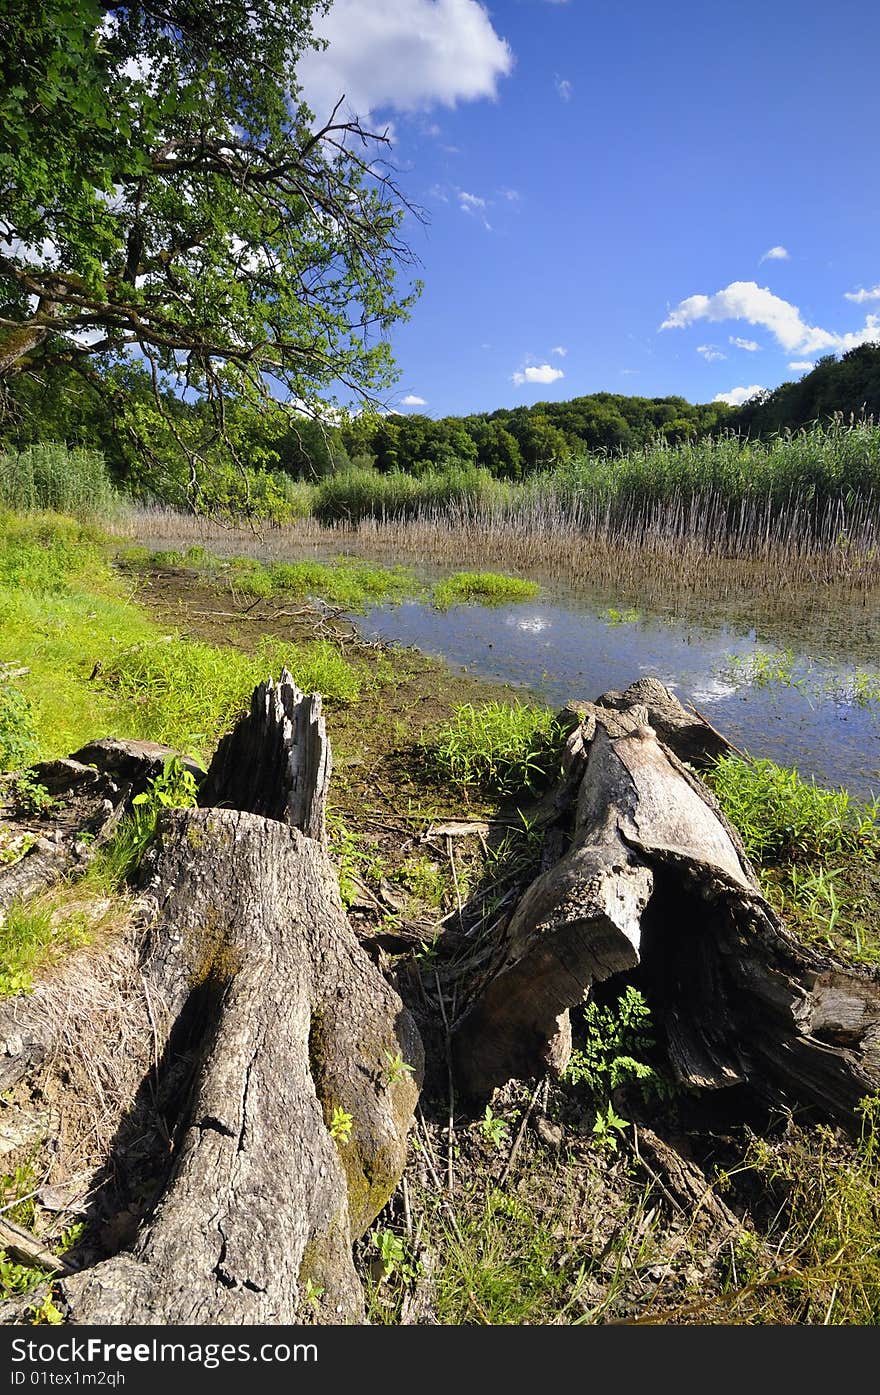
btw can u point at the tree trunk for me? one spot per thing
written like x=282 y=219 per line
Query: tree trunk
x=292 y=1032
x=656 y=878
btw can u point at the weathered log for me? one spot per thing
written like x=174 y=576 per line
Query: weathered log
x=87 y=799
x=656 y=878
x=290 y=1026
x=91 y=790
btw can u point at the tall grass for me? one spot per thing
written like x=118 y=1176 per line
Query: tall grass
x=52 y=476
x=802 y=509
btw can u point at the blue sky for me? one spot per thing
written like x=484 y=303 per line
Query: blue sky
x=631 y=197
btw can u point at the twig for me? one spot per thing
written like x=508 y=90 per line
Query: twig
x=407 y=1213
x=27 y=1249
x=450 y=853
x=444 y=1200
x=519 y=1134
x=450 y=1131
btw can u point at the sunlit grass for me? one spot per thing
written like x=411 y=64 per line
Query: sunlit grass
x=499 y=747
x=487 y=588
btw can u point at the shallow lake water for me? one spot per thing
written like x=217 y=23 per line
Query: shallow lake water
x=809 y=719
x=572 y=644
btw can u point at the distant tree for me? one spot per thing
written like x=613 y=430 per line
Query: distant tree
x=165 y=193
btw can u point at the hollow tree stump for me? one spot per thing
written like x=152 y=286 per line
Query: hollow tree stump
x=251 y=953
x=656 y=877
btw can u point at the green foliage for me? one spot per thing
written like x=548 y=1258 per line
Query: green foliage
x=354 y=858
x=762 y=669
x=494 y=1128
x=194 y=207
x=18 y=733
x=47 y=553
x=846 y=388
x=502 y=1264
x=188 y=693
x=52 y=477
x=615 y=1042
x=487 y=588
x=341 y=1124
x=174 y=788
x=819 y=1263
x=27 y=794
x=608 y=1128
x=499 y=747
x=396 y=1068
x=781 y=817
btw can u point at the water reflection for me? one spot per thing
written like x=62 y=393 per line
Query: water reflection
x=564 y=652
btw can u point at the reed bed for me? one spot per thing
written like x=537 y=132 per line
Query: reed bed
x=800 y=510
x=689 y=543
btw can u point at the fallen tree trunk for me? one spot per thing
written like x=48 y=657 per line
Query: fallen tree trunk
x=656 y=878
x=292 y=1123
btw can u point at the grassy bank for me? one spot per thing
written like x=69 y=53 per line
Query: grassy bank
x=569 y=1229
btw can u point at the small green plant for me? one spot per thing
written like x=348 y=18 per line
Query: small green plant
x=18 y=735
x=174 y=788
x=496 y=1129
x=611 y=616
x=313 y=1293
x=615 y=1042
x=764 y=668
x=396 y=1068
x=341 y=1124
x=28 y=794
x=392 y=1250
x=46 y=1312
x=608 y=1129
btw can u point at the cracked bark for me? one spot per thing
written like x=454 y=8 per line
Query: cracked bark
x=286 y=1019
x=657 y=879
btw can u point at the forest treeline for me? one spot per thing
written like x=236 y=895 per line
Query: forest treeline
x=508 y=444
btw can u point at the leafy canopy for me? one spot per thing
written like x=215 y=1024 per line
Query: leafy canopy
x=165 y=192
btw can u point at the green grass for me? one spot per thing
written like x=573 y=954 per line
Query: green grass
x=188 y=693
x=346 y=582
x=818 y=1262
x=818 y=852
x=486 y=588
x=782 y=817
x=764 y=668
x=501 y=748
x=98 y=666
x=35 y=934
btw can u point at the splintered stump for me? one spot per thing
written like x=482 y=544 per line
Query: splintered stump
x=656 y=877
x=290 y=1025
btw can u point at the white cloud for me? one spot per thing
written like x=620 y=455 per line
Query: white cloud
x=475 y=205
x=801 y=366
x=560 y=350
x=411 y=400
x=746 y=300
x=542 y=373
x=407 y=54
x=564 y=88
x=738 y=395
x=861 y=295
x=710 y=353
x=751 y=346
x=511 y=195
x=775 y=254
